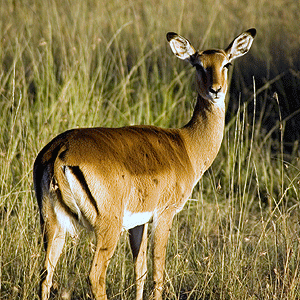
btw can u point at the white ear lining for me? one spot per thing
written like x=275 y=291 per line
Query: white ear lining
x=241 y=44
x=181 y=47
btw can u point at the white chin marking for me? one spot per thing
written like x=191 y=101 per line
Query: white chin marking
x=131 y=219
x=219 y=101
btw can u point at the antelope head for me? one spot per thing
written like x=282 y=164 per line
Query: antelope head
x=211 y=65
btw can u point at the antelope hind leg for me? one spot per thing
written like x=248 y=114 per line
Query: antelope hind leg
x=55 y=239
x=107 y=240
x=161 y=235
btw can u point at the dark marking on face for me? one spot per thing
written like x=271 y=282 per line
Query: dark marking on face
x=211 y=51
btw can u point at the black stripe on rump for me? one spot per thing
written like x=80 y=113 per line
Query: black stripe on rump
x=80 y=177
x=135 y=238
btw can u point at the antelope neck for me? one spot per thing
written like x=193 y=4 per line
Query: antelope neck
x=203 y=134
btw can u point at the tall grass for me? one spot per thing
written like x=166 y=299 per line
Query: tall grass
x=67 y=64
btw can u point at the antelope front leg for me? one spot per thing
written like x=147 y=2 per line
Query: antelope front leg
x=161 y=235
x=141 y=265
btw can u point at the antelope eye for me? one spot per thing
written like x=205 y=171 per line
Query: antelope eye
x=227 y=65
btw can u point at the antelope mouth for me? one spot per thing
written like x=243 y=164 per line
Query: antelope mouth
x=220 y=97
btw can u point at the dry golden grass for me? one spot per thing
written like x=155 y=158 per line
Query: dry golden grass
x=106 y=63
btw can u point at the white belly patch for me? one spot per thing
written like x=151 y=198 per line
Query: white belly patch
x=131 y=220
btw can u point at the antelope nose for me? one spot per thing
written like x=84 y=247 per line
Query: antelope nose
x=215 y=91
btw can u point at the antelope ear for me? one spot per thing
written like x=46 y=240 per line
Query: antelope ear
x=180 y=46
x=241 y=44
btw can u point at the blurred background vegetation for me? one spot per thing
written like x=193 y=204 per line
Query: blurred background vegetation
x=66 y=64
x=53 y=45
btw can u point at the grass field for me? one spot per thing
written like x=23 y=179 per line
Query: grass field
x=67 y=64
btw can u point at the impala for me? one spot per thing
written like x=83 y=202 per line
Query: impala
x=115 y=179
